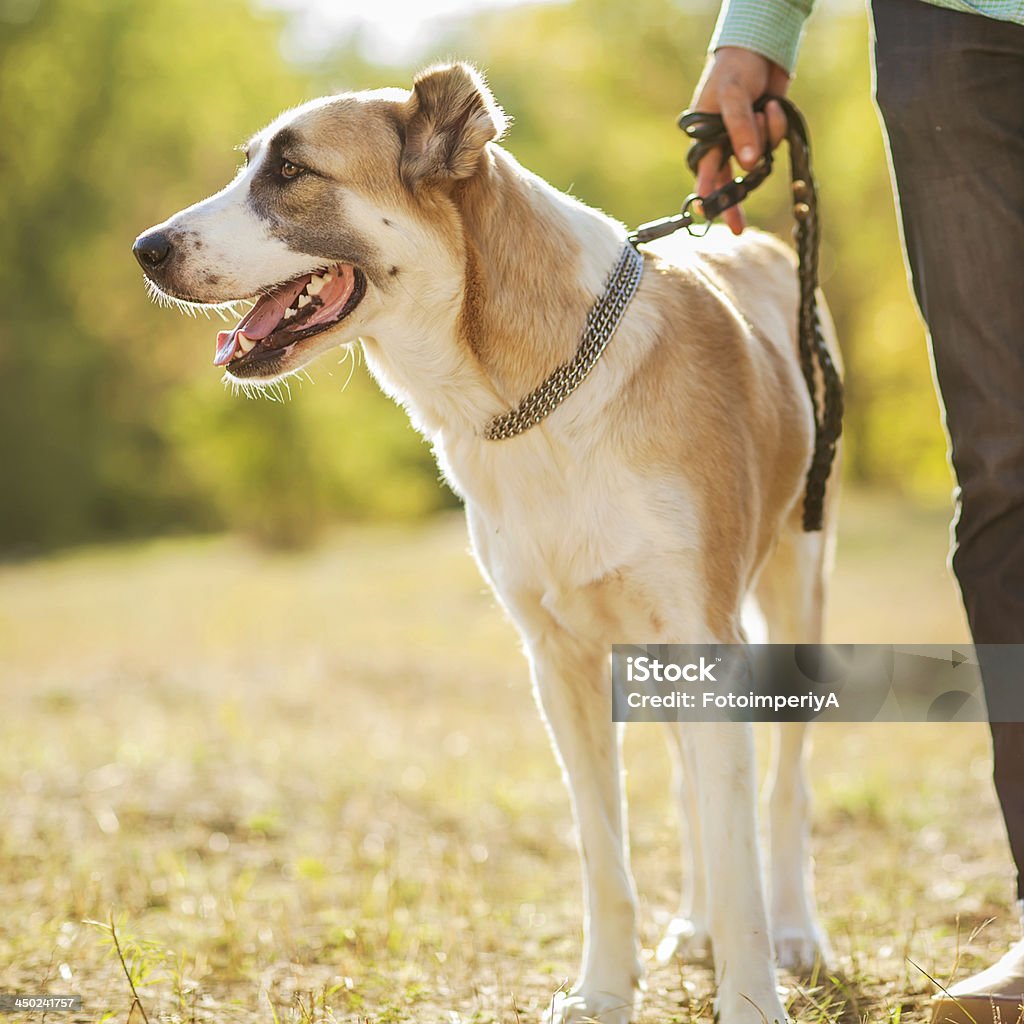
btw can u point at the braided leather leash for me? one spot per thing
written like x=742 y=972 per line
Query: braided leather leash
x=708 y=132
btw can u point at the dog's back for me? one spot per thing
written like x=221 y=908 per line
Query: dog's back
x=755 y=271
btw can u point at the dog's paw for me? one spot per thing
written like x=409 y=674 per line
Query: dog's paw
x=746 y=1007
x=583 y=1007
x=684 y=938
x=801 y=949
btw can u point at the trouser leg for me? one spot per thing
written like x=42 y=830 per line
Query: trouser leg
x=950 y=87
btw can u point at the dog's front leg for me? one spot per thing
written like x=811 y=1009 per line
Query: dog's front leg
x=738 y=920
x=574 y=691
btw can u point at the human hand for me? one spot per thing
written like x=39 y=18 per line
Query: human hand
x=733 y=79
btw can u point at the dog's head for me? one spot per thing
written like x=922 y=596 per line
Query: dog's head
x=340 y=222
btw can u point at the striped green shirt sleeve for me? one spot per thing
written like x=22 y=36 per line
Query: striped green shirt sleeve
x=773 y=28
x=770 y=27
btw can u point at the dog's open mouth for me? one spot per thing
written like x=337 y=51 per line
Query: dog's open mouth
x=289 y=313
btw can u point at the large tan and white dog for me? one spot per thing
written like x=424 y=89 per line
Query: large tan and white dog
x=644 y=509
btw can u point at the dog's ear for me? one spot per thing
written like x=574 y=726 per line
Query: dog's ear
x=451 y=116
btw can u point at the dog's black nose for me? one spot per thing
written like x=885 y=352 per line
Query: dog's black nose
x=151 y=250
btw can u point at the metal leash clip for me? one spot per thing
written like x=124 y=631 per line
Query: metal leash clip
x=664 y=226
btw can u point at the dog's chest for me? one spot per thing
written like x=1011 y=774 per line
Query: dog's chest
x=546 y=520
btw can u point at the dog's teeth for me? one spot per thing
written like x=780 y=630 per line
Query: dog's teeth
x=304 y=300
x=289 y=313
x=247 y=344
x=315 y=284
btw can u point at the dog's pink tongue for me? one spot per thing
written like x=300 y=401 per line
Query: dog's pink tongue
x=338 y=287
x=259 y=321
x=227 y=342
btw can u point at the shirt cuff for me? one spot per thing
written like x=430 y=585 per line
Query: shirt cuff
x=772 y=28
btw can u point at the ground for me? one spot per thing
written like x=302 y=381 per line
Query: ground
x=315 y=786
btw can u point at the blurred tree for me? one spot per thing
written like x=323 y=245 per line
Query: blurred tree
x=117 y=113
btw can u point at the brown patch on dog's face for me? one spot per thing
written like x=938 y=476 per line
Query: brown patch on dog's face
x=343 y=149
x=355 y=184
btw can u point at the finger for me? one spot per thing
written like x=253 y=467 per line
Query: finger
x=733 y=216
x=778 y=124
x=762 y=131
x=709 y=170
x=723 y=174
x=734 y=219
x=738 y=114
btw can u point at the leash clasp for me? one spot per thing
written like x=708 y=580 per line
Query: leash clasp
x=694 y=228
x=665 y=226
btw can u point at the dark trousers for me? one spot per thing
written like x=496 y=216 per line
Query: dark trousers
x=950 y=87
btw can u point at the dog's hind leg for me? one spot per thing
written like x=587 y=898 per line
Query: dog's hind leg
x=791 y=594
x=573 y=686
x=798 y=938
x=737 y=920
x=687 y=932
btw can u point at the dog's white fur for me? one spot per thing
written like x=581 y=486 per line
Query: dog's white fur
x=602 y=524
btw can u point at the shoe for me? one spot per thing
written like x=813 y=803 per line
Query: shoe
x=976 y=1010
x=995 y=996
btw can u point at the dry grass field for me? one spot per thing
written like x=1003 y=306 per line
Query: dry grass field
x=314 y=786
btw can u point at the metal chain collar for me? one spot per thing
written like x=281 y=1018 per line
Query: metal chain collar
x=604 y=317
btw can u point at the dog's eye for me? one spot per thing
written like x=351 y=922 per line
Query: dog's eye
x=290 y=170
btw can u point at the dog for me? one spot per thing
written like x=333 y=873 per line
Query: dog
x=658 y=491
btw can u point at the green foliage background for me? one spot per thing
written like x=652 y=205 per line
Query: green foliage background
x=115 y=113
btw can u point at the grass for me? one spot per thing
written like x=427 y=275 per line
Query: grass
x=314 y=787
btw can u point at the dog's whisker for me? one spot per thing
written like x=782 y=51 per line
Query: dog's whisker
x=350 y=358
x=225 y=310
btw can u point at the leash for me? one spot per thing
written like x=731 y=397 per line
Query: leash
x=708 y=132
